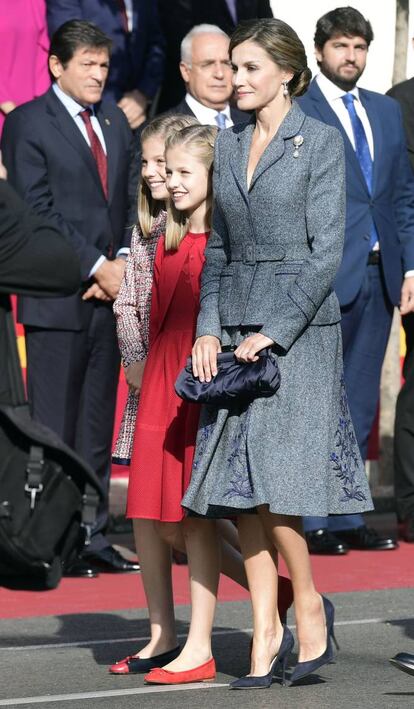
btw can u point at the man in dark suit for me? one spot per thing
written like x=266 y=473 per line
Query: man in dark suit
x=179 y=16
x=377 y=270
x=69 y=156
x=404 y=414
x=137 y=62
x=207 y=74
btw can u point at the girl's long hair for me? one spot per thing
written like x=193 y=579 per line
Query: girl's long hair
x=162 y=127
x=199 y=141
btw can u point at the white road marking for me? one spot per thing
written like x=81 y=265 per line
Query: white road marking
x=235 y=631
x=49 y=698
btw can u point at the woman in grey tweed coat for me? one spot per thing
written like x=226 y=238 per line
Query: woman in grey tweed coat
x=275 y=247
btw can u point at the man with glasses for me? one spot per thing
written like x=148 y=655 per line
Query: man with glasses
x=206 y=71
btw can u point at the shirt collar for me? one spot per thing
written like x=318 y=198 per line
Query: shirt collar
x=331 y=91
x=204 y=114
x=72 y=106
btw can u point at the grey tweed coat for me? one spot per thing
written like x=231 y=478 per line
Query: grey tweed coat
x=270 y=262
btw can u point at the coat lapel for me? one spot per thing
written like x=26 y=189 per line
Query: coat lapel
x=65 y=124
x=290 y=126
x=240 y=157
x=329 y=116
x=112 y=148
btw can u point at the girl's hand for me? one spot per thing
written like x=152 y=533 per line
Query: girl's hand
x=204 y=357
x=248 y=349
x=134 y=374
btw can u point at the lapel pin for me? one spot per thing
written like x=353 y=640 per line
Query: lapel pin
x=297 y=142
x=107 y=121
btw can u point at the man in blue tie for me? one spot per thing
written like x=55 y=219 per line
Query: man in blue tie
x=377 y=271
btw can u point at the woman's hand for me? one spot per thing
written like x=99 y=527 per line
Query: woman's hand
x=204 y=357
x=248 y=349
x=134 y=374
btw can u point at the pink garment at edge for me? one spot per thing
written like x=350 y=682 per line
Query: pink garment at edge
x=24 y=46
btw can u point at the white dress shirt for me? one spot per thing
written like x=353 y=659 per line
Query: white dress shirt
x=74 y=109
x=207 y=116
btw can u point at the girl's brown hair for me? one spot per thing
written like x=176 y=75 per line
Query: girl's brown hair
x=162 y=127
x=199 y=140
x=283 y=46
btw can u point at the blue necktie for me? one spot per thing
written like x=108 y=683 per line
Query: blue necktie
x=220 y=119
x=362 y=153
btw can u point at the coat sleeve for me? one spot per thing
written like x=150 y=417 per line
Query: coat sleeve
x=34 y=258
x=132 y=306
x=325 y=221
x=208 y=322
x=403 y=198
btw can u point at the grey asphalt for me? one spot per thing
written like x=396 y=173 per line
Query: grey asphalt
x=61 y=661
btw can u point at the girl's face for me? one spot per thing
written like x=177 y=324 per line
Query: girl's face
x=257 y=80
x=153 y=167
x=187 y=179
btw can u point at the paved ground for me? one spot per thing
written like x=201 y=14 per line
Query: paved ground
x=61 y=661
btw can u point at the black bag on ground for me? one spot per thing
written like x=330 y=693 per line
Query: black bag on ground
x=48 y=495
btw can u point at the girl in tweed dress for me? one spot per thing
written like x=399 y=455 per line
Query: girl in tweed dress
x=132 y=311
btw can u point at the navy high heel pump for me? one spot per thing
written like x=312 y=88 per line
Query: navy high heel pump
x=264 y=681
x=303 y=669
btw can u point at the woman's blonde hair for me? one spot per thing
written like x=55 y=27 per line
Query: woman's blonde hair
x=162 y=127
x=199 y=141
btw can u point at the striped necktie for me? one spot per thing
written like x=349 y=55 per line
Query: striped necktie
x=97 y=150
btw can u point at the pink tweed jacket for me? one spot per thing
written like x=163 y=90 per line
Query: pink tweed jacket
x=132 y=314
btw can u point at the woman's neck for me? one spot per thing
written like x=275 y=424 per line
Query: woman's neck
x=197 y=219
x=269 y=118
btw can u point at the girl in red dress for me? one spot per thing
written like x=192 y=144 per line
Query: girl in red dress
x=165 y=428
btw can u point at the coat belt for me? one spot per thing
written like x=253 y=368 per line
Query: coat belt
x=252 y=253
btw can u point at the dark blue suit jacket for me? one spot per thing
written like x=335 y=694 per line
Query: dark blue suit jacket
x=52 y=167
x=137 y=60
x=391 y=204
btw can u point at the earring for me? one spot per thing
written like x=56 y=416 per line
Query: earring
x=285 y=88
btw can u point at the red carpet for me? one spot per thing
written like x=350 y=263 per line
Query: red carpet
x=358 y=571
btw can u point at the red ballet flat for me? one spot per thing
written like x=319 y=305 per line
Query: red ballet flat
x=202 y=673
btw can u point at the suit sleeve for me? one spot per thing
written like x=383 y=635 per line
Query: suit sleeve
x=216 y=255
x=26 y=164
x=153 y=70
x=34 y=258
x=59 y=11
x=403 y=198
x=325 y=220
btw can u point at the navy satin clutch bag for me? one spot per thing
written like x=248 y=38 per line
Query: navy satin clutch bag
x=233 y=381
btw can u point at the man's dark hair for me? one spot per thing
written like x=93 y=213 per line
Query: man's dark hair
x=73 y=35
x=342 y=21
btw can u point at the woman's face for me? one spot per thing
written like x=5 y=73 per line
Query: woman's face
x=257 y=80
x=153 y=167
x=187 y=179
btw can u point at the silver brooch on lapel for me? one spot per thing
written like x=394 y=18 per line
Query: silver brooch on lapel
x=107 y=121
x=297 y=142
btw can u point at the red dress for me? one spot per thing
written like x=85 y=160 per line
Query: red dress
x=166 y=426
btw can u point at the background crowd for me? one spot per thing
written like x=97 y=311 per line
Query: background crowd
x=80 y=168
